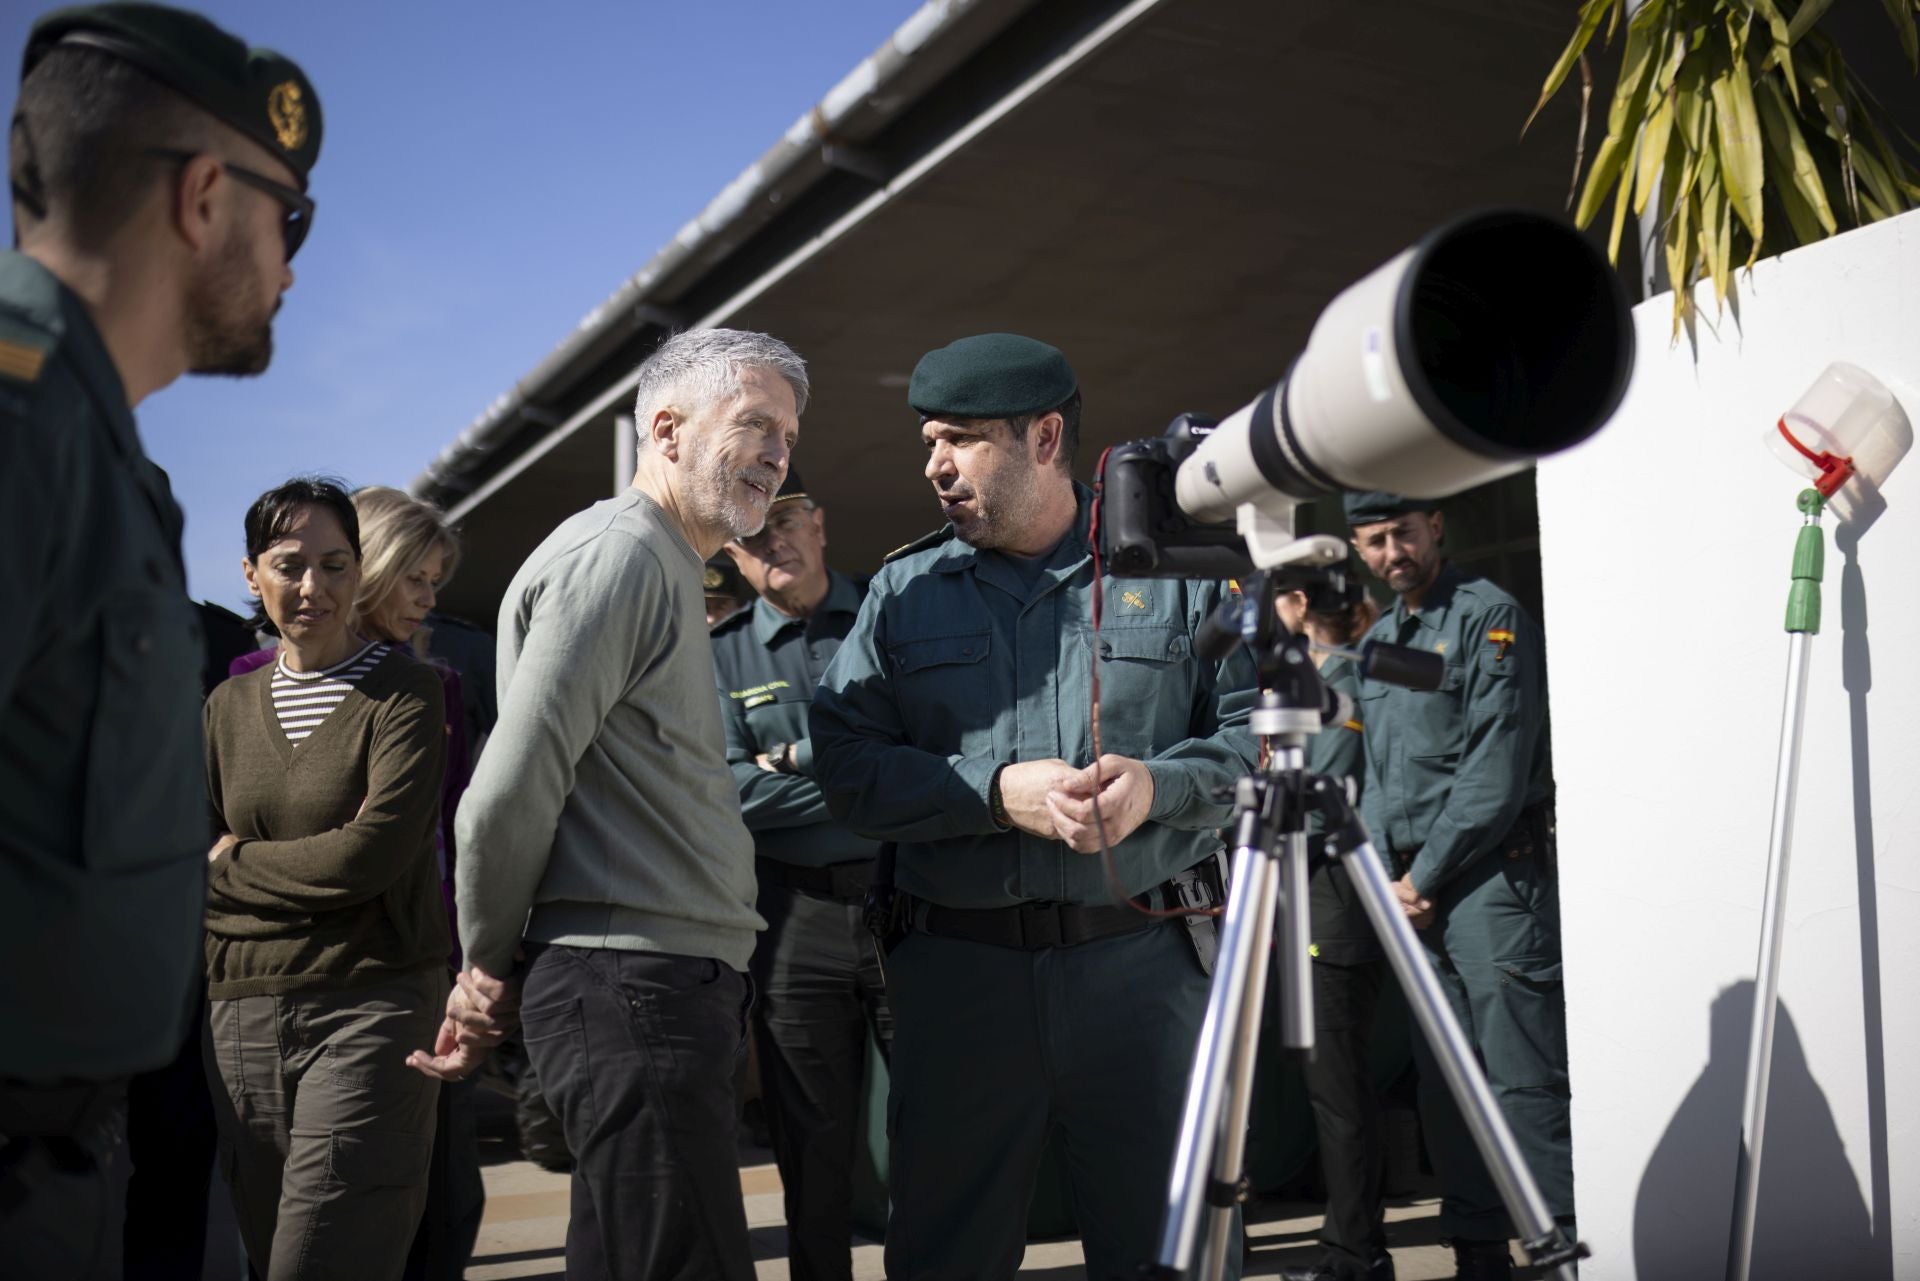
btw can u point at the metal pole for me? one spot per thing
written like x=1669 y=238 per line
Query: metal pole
x=1803 y=624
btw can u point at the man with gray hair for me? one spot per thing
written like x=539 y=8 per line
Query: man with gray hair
x=601 y=837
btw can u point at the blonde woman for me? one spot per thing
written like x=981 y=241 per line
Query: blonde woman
x=411 y=553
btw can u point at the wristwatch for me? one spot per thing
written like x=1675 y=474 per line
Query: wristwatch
x=780 y=756
x=996 y=807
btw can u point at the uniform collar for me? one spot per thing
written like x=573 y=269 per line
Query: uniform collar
x=1433 y=613
x=842 y=598
x=1063 y=562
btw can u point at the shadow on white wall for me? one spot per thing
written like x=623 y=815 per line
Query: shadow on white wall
x=1812 y=1220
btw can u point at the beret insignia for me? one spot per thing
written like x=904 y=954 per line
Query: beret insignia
x=287 y=112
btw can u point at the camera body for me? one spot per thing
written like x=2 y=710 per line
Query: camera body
x=1144 y=532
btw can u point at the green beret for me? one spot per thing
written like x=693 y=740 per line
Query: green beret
x=257 y=91
x=991 y=376
x=1374 y=506
x=790 y=488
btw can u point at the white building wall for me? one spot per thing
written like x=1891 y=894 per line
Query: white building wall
x=1666 y=545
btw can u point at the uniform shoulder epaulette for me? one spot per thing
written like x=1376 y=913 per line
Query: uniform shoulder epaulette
x=1486 y=592
x=920 y=544
x=24 y=349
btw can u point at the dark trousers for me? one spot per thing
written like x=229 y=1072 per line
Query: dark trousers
x=1346 y=1113
x=819 y=990
x=994 y=1050
x=325 y=1133
x=1495 y=945
x=171 y=1142
x=61 y=1197
x=456 y=1197
x=635 y=1051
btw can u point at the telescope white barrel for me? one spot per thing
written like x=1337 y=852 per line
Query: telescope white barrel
x=1498 y=339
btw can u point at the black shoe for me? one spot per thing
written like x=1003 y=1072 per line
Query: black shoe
x=1381 y=1269
x=1481 y=1261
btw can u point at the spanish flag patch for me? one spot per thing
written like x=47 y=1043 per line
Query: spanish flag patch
x=1501 y=639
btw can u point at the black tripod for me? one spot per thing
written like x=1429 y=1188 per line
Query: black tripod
x=1271 y=866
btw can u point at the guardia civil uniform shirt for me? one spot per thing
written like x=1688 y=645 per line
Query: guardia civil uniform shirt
x=973 y=661
x=768 y=665
x=1450 y=770
x=103 y=818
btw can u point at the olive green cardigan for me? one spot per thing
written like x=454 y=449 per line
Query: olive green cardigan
x=334 y=882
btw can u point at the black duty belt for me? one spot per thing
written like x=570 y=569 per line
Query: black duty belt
x=846 y=881
x=1029 y=927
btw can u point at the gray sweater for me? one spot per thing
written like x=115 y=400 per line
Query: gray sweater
x=603 y=813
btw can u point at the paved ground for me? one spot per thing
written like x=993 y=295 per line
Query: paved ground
x=526 y=1226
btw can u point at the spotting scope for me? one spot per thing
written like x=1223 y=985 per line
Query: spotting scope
x=1498 y=339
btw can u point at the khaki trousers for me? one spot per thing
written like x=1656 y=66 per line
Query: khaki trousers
x=325 y=1134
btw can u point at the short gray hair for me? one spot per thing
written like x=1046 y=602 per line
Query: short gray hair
x=700 y=366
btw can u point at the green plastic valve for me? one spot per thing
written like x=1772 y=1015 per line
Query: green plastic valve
x=1809 y=565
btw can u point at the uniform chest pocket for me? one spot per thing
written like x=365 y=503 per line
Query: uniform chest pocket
x=1145 y=695
x=1452 y=677
x=146 y=766
x=945 y=691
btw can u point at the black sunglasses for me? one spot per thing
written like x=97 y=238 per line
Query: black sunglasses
x=299 y=206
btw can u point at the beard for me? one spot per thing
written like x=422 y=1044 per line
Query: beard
x=712 y=488
x=223 y=335
x=1002 y=511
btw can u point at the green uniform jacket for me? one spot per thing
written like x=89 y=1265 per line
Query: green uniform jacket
x=1342 y=934
x=103 y=819
x=961 y=662
x=768 y=665
x=1448 y=771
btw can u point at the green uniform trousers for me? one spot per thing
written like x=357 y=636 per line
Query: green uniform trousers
x=1495 y=944
x=994 y=1049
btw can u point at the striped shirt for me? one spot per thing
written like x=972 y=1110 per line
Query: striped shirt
x=301 y=700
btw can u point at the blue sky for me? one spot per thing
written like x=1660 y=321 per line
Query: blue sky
x=489 y=173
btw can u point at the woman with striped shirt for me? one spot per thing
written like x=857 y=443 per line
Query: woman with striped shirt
x=326 y=938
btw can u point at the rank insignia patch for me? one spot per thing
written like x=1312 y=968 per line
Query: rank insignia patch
x=19 y=362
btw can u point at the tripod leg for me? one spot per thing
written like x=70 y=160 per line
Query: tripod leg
x=1226 y=1027
x=1541 y=1236
x=1230 y=1155
x=1293 y=941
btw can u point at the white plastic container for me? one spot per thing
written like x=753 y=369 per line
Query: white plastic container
x=1848 y=418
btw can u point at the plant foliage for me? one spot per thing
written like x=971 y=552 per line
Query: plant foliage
x=1740 y=122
